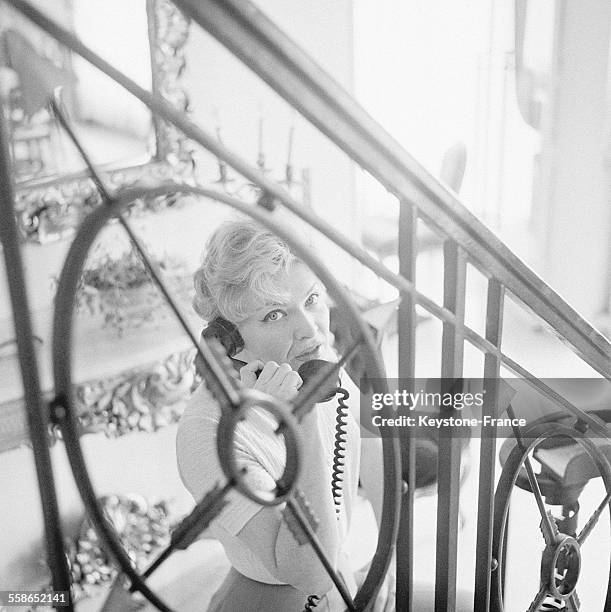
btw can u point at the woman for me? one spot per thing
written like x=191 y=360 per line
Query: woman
x=252 y=279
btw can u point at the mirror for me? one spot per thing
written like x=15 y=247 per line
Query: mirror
x=123 y=139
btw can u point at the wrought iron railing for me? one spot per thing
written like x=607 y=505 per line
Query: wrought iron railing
x=259 y=44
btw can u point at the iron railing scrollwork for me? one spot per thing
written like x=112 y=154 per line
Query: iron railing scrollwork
x=231 y=399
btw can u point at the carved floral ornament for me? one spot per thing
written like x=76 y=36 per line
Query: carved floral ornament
x=144 y=399
x=143 y=527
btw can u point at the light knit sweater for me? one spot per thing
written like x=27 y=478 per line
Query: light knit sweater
x=262 y=453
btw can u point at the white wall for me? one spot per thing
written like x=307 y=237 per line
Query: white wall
x=224 y=93
x=435 y=71
x=575 y=219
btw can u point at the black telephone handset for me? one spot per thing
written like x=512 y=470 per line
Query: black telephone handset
x=228 y=335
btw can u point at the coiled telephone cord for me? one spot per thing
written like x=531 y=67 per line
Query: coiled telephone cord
x=338 y=466
x=339 y=449
x=311 y=603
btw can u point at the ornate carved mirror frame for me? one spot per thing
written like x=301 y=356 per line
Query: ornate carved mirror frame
x=50 y=208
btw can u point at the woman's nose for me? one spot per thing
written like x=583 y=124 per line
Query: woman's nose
x=305 y=325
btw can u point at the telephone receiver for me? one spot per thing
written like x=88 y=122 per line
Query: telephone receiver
x=228 y=335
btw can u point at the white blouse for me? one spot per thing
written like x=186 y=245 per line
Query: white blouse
x=263 y=454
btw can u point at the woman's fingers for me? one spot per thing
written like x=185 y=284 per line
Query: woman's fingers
x=248 y=373
x=293 y=380
x=281 y=381
x=268 y=372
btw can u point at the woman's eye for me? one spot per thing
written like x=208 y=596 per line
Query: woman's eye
x=274 y=315
x=312 y=299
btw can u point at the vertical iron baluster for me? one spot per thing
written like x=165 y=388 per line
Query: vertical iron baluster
x=448 y=467
x=487 y=455
x=36 y=408
x=406 y=329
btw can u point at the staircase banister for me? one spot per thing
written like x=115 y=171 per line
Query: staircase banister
x=241 y=27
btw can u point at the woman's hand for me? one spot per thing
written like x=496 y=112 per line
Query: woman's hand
x=280 y=381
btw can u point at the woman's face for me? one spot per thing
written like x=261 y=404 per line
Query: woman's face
x=294 y=331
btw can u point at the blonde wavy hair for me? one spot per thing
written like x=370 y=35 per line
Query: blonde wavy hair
x=239 y=271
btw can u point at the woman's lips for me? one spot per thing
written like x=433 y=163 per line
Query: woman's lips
x=312 y=353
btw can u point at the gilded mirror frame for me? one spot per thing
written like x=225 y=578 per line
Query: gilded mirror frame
x=49 y=209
